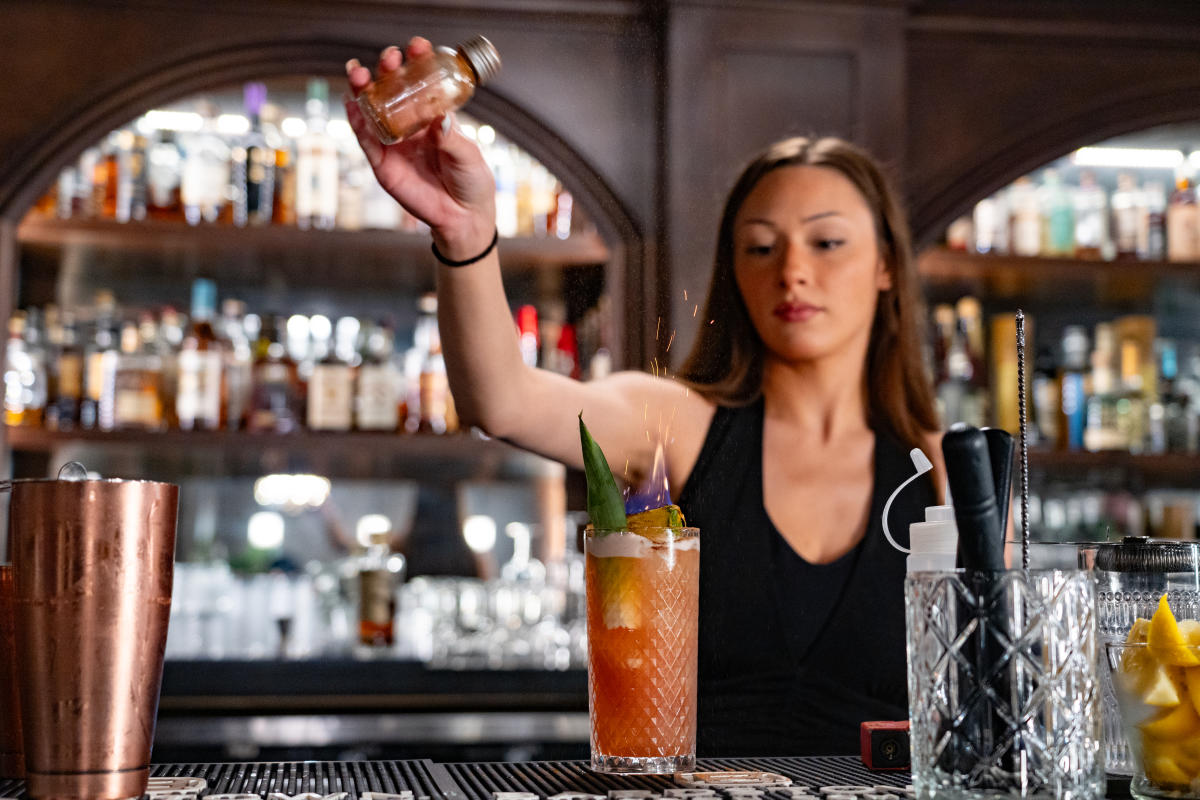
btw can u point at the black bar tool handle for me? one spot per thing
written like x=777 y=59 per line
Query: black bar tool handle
x=1000 y=451
x=976 y=512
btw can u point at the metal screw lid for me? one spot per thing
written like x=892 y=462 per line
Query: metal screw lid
x=1143 y=554
x=481 y=54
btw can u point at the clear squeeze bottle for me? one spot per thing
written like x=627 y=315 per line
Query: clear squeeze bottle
x=405 y=101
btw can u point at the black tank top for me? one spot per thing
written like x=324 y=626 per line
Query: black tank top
x=793 y=655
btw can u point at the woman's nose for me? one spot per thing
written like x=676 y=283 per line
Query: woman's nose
x=796 y=268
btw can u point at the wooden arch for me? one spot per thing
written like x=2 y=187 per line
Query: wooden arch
x=1044 y=140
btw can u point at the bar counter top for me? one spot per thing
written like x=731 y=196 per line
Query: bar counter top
x=424 y=779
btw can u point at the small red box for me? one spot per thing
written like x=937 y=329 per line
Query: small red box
x=884 y=745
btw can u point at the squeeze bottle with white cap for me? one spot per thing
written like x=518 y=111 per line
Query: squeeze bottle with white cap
x=933 y=543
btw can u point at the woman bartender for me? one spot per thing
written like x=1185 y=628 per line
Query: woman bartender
x=789 y=424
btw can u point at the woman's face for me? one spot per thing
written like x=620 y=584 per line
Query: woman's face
x=807 y=262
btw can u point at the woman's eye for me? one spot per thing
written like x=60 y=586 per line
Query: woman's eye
x=829 y=244
x=758 y=249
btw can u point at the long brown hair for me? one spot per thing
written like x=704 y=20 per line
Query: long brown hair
x=726 y=362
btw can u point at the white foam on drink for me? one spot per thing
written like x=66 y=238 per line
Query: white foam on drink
x=619 y=544
x=623 y=544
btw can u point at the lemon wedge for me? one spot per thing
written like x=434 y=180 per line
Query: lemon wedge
x=1137 y=631
x=1170 y=762
x=1192 y=679
x=1178 y=724
x=1164 y=687
x=1166 y=641
x=1165 y=771
x=618 y=584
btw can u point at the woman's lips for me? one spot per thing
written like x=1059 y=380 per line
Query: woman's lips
x=796 y=312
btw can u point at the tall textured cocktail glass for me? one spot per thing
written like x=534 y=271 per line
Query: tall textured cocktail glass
x=642 y=603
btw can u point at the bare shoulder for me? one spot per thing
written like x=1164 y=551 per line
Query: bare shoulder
x=667 y=411
x=933 y=449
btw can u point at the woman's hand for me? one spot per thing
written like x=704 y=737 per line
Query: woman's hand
x=437 y=174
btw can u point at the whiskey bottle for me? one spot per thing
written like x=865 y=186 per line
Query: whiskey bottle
x=137 y=379
x=200 y=396
x=377 y=400
x=277 y=396
x=62 y=412
x=378 y=574
x=331 y=386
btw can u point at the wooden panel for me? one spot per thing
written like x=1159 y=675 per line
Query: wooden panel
x=8 y=279
x=741 y=79
x=757 y=112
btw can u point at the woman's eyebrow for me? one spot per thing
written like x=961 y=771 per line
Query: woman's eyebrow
x=805 y=220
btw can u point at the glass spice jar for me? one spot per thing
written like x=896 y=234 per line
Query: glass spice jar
x=405 y=101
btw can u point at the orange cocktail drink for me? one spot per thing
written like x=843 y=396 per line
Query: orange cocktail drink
x=642 y=603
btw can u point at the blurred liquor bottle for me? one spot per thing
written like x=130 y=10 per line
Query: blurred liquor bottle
x=164 y=172
x=25 y=381
x=238 y=361
x=200 y=398
x=316 y=164
x=331 y=385
x=253 y=165
x=1058 y=217
x=100 y=359
x=62 y=412
x=137 y=380
x=1127 y=206
x=131 y=177
x=1092 y=239
x=1103 y=429
x=377 y=398
x=277 y=398
x=379 y=573
x=205 y=175
x=1183 y=219
x=1072 y=381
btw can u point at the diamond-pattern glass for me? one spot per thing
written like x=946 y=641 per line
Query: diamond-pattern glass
x=642 y=648
x=1004 y=689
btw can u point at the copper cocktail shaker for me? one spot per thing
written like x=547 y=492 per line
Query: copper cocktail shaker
x=93 y=564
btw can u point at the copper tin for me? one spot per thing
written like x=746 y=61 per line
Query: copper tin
x=93 y=563
x=12 y=751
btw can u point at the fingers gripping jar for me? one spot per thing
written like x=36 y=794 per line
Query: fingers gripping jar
x=403 y=102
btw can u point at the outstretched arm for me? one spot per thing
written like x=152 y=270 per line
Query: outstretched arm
x=440 y=177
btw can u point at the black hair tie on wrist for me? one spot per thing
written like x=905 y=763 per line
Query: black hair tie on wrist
x=437 y=254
